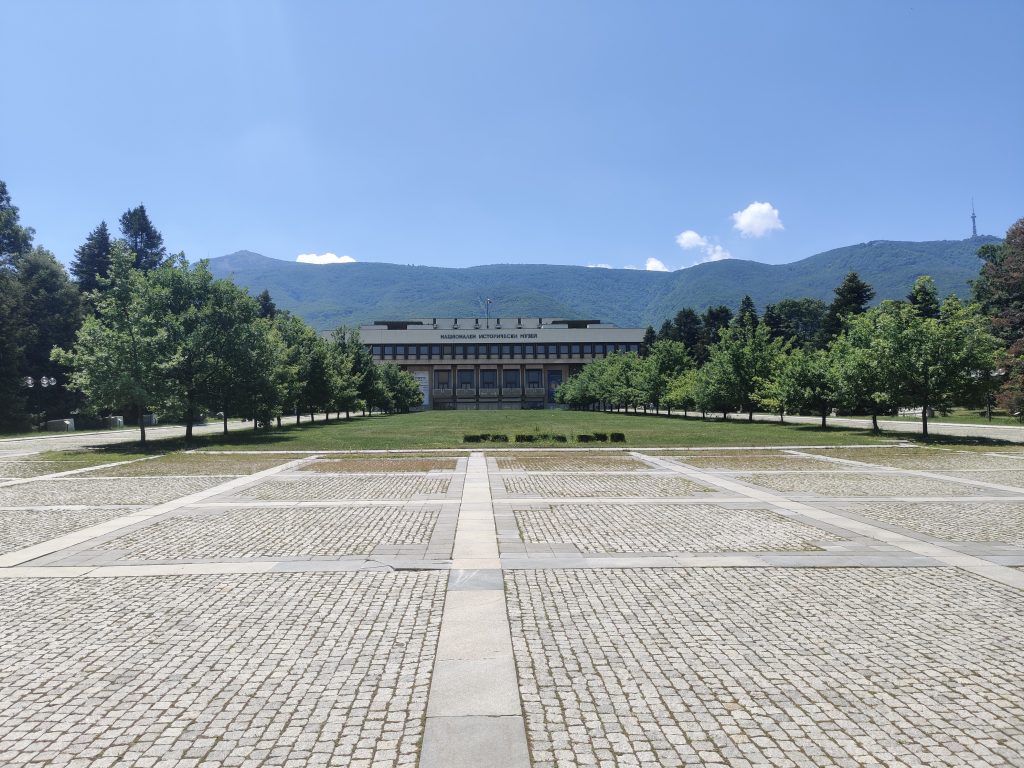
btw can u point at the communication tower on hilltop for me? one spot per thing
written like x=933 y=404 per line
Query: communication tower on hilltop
x=974 y=223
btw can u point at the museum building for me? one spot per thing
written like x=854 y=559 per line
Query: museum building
x=494 y=363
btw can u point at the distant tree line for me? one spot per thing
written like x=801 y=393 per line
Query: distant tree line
x=138 y=330
x=803 y=356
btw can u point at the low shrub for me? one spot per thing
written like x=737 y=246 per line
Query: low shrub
x=559 y=438
x=471 y=438
x=601 y=437
x=499 y=438
x=618 y=437
x=524 y=438
x=584 y=438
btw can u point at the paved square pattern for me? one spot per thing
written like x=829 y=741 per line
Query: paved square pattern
x=666 y=528
x=858 y=484
x=351 y=487
x=272 y=669
x=782 y=668
x=604 y=485
x=25 y=527
x=268 y=532
x=515 y=609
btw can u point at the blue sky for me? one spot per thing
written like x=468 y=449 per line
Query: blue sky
x=461 y=133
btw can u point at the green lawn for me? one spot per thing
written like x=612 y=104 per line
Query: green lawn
x=446 y=429
x=963 y=416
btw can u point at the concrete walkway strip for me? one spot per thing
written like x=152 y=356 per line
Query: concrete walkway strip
x=28 y=554
x=66 y=472
x=474 y=714
x=944 y=555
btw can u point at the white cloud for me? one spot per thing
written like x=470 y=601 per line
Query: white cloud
x=600 y=266
x=324 y=258
x=715 y=253
x=757 y=220
x=690 y=239
x=656 y=265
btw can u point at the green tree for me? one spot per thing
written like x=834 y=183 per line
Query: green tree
x=743 y=357
x=852 y=297
x=747 y=315
x=796 y=320
x=121 y=354
x=938 y=361
x=51 y=315
x=866 y=373
x=925 y=297
x=680 y=392
x=403 y=391
x=267 y=306
x=92 y=259
x=14 y=238
x=142 y=239
x=665 y=361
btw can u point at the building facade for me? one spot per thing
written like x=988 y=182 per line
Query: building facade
x=494 y=363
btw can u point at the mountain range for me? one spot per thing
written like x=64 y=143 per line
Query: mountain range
x=330 y=295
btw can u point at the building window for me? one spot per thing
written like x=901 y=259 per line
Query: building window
x=376 y=351
x=389 y=352
x=460 y=350
x=400 y=351
x=517 y=350
x=471 y=350
x=446 y=350
x=533 y=378
x=423 y=350
x=442 y=379
x=510 y=378
x=506 y=350
x=552 y=350
x=466 y=380
x=488 y=379
x=435 y=350
x=588 y=349
x=529 y=350
x=492 y=350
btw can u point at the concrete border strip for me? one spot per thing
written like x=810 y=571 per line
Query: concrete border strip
x=474 y=712
x=27 y=554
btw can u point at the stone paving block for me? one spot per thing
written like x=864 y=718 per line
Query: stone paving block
x=666 y=528
x=846 y=484
x=922 y=458
x=570 y=461
x=784 y=667
x=267 y=669
x=193 y=464
x=96 y=491
x=987 y=522
x=1002 y=477
x=608 y=485
x=21 y=528
x=349 y=487
x=739 y=461
x=383 y=464
x=263 y=532
x=13 y=470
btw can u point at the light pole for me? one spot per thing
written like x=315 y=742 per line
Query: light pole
x=44 y=381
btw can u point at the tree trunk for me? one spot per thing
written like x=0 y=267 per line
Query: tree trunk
x=725 y=415
x=225 y=420
x=297 y=417
x=750 y=415
x=279 y=421
x=824 y=416
x=924 y=420
x=188 y=417
x=346 y=414
x=782 y=417
x=312 y=418
x=874 y=423
x=142 y=425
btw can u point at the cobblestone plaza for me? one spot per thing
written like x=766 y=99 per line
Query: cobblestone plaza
x=861 y=606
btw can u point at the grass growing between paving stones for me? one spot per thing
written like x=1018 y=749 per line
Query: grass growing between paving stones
x=446 y=429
